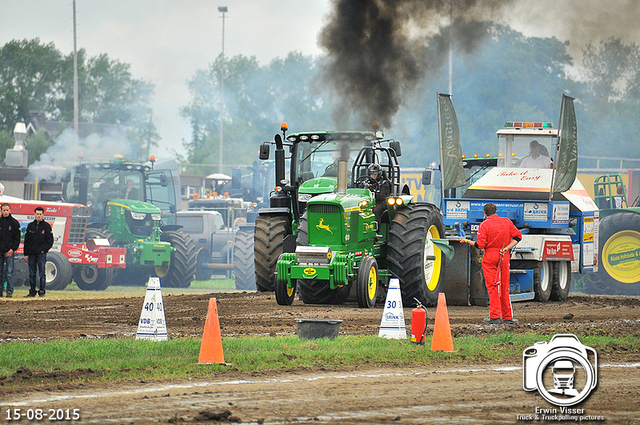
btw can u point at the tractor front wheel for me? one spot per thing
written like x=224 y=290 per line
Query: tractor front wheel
x=58 y=271
x=561 y=284
x=367 y=282
x=92 y=278
x=542 y=281
x=285 y=293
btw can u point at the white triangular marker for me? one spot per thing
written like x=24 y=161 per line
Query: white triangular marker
x=152 y=324
x=392 y=324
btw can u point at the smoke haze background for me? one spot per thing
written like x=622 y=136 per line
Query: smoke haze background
x=378 y=54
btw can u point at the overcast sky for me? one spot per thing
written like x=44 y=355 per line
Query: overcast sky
x=166 y=41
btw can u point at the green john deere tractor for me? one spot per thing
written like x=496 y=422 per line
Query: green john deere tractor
x=133 y=206
x=618 y=240
x=344 y=252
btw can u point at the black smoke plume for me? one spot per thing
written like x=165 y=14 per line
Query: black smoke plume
x=379 y=49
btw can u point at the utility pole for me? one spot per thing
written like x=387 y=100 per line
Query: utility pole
x=75 y=74
x=223 y=10
x=451 y=48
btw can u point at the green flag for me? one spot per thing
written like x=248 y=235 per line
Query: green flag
x=450 y=151
x=567 y=154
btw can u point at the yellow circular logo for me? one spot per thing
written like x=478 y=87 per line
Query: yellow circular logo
x=310 y=271
x=621 y=256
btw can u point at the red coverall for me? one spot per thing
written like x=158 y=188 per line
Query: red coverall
x=494 y=233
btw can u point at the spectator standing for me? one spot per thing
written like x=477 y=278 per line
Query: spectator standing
x=38 y=240
x=496 y=235
x=9 y=243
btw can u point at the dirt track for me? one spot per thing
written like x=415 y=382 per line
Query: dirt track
x=483 y=393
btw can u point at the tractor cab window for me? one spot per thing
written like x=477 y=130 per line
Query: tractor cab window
x=96 y=185
x=526 y=151
x=320 y=159
x=161 y=193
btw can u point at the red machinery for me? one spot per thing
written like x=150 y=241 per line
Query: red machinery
x=78 y=253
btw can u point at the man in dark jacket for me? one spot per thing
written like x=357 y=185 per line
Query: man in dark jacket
x=9 y=243
x=38 y=240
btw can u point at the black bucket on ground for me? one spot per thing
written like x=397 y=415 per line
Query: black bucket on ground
x=318 y=328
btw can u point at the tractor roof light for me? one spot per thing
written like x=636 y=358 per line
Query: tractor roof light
x=284 y=127
x=520 y=124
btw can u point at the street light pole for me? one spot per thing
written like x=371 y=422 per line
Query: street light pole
x=75 y=74
x=223 y=10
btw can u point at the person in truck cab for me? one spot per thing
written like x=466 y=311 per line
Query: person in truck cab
x=536 y=159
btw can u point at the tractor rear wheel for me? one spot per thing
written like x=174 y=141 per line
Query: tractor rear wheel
x=413 y=257
x=270 y=232
x=619 y=270
x=244 y=261
x=182 y=268
x=92 y=278
x=367 y=282
x=57 y=270
x=302 y=235
x=561 y=284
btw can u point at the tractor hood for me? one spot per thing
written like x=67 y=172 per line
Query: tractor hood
x=134 y=206
x=527 y=184
x=347 y=201
x=331 y=218
x=319 y=185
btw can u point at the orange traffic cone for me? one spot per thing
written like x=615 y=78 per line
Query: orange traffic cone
x=441 y=331
x=211 y=348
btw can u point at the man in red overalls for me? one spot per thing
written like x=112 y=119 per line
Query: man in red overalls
x=497 y=235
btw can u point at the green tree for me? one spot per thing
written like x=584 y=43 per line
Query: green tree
x=611 y=99
x=36 y=77
x=256 y=100
x=30 y=76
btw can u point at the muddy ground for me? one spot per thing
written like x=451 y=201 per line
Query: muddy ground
x=487 y=393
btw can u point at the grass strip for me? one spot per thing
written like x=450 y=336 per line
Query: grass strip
x=130 y=359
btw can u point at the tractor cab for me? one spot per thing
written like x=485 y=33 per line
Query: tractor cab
x=386 y=157
x=526 y=145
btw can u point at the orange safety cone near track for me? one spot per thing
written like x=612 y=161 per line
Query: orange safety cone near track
x=441 y=331
x=211 y=348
